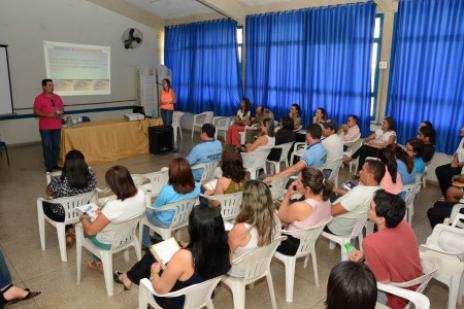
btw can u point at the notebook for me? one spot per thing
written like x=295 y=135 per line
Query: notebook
x=165 y=250
x=89 y=209
x=210 y=185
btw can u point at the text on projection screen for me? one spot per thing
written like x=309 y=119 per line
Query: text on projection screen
x=78 y=69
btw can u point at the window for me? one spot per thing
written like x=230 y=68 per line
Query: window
x=239 y=43
x=375 y=58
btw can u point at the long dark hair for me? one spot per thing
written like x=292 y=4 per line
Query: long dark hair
x=75 y=170
x=120 y=182
x=314 y=179
x=391 y=123
x=208 y=242
x=232 y=164
x=387 y=156
x=247 y=105
x=402 y=155
x=167 y=82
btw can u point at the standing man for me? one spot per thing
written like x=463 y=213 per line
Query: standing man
x=49 y=108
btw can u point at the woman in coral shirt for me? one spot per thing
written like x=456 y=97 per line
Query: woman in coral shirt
x=167 y=101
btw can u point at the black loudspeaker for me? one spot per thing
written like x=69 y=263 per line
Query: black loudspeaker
x=160 y=139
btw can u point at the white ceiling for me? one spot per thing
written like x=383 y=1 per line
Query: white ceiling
x=170 y=9
x=262 y=2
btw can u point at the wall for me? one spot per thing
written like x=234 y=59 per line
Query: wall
x=24 y=24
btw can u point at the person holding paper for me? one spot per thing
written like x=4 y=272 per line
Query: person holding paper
x=49 y=108
x=130 y=203
x=193 y=264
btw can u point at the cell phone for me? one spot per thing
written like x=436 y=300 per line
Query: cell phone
x=349 y=185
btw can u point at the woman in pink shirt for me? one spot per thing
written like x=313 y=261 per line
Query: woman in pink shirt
x=350 y=131
x=313 y=211
x=391 y=182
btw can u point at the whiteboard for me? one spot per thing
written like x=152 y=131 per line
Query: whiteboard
x=6 y=100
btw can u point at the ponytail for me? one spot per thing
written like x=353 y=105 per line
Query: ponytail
x=327 y=189
x=314 y=179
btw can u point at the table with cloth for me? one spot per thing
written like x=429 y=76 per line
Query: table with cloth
x=107 y=140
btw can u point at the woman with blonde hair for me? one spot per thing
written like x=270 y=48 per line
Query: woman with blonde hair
x=255 y=225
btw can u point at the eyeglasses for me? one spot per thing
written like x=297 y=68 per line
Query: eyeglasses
x=53 y=102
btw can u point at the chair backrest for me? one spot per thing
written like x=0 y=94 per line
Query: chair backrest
x=50 y=175
x=457 y=218
x=447 y=239
x=410 y=193
x=156 y=181
x=285 y=150
x=419 y=300
x=224 y=123
x=256 y=158
x=230 y=204
x=358 y=227
x=202 y=118
x=196 y=296
x=277 y=188
x=257 y=261
x=420 y=281
x=177 y=117
x=123 y=233
x=208 y=170
x=69 y=203
x=307 y=237
x=354 y=144
x=182 y=211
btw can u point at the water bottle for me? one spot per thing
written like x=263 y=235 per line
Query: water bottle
x=349 y=248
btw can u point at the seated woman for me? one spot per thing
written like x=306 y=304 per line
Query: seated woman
x=10 y=293
x=382 y=138
x=414 y=149
x=446 y=172
x=427 y=135
x=233 y=173
x=314 y=210
x=255 y=225
x=192 y=264
x=241 y=120
x=455 y=193
x=295 y=115
x=391 y=181
x=76 y=178
x=320 y=116
x=130 y=203
x=350 y=130
x=405 y=165
x=351 y=285
x=285 y=135
x=266 y=139
x=180 y=186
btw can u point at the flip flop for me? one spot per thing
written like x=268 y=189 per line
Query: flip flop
x=94 y=266
x=116 y=279
x=29 y=295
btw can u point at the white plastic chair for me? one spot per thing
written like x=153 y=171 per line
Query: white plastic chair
x=208 y=170
x=257 y=265
x=308 y=238
x=230 y=204
x=123 y=236
x=200 y=119
x=353 y=146
x=410 y=195
x=222 y=125
x=285 y=149
x=255 y=161
x=180 y=218
x=419 y=300
x=176 y=124
x=196 y=296
x=156 y=181
x=455 y=217
x=298 y=151
x=277 y=188
x=446 y=245
x=50 y=175
x=71 y=217
x=341 y=240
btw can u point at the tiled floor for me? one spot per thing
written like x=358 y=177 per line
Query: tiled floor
x=24 y=181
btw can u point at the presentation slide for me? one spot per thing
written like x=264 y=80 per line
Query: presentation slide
x=78 y=69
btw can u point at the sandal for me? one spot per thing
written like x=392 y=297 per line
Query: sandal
x=96 y=266
x=29 y=295
x=116 y=279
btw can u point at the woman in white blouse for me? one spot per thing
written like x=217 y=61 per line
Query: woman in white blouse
x=266 y=139
x=446 y=172
x=380 y=139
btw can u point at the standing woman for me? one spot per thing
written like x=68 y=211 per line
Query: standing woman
x=167 y=101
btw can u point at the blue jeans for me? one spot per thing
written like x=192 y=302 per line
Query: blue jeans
x=151 y=216
x=5 y=278
x=167 y=117
x=51 y=147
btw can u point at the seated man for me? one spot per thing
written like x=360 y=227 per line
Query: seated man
x=314 y=156
x=208 y=150
x=427 y=135
x=333 y=144
x=355 y=202
x=392 y=253
x=350 y=131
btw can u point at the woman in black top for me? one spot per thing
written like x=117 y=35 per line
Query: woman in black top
x=283 y=136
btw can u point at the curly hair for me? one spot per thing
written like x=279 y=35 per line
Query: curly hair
x=232 y=164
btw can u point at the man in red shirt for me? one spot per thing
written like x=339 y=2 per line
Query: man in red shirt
x=392 y=253
x=49 y=108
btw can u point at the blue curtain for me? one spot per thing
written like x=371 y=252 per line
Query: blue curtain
x=203 y=57
x=427 y=77
x=315 y=57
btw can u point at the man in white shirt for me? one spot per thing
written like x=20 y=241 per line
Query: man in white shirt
x=333 y=144
x=355 y=202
